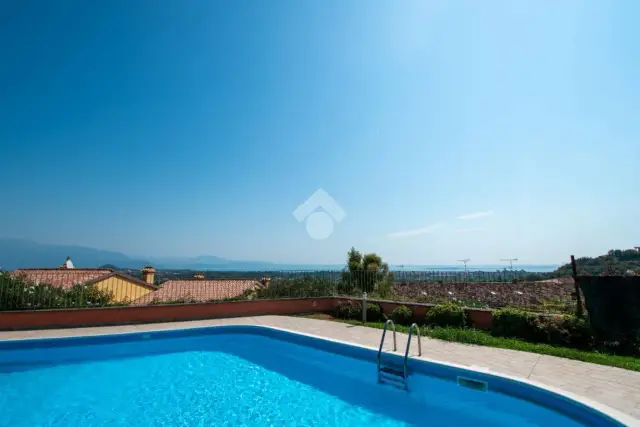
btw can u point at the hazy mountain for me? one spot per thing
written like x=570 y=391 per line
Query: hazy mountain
x=18 y=253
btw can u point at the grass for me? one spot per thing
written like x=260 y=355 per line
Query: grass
x=478 y=337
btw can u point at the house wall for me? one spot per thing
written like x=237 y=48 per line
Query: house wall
x=122 y=289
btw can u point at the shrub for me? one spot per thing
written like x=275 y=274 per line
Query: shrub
x=565 y=330
x=402 y=315
x=348 y=310
x=297 y=287
x=20 y=294
x=374 y=312
x=514 y=323
x=446 y=315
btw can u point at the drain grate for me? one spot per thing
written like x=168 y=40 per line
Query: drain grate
x=473 y=384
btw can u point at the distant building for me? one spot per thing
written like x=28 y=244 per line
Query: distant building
x=128 y=288
x=121 y=285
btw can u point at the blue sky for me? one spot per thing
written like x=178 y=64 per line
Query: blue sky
x=443 y=129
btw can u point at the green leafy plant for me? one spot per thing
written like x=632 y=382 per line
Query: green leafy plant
x=565 y=330
x=514 y=323
x=402 y=315
x=446 y=315
x=562 y=329
x=374 y=312
x=20 y=294
x=366 y=273
x=348 y=310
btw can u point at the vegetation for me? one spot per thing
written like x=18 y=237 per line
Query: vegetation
x=348 y=310
x=18 y=294
x=374 y=312
x=447 y=314
x=305 y=286
x=616 y=261
x=367 y=273
x=402 y=315
x=564 y=330
x=477 y=337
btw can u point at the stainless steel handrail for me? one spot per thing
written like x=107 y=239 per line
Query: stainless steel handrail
x=406 y=353
x=384 y=332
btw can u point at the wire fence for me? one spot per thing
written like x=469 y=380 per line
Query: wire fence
x=78 y=288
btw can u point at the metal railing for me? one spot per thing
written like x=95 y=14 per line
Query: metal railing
x=406 y=353
x=86 y=288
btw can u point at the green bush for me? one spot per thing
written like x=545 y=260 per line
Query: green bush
x=297 y=287
x=563 y=329
x=446 y=315
x=348 y=310
x=19 y=294
x=402 y=315
x=514 y=323
x=374 y=312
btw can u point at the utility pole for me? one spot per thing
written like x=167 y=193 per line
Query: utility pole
x=465 y=261
x=510 y=261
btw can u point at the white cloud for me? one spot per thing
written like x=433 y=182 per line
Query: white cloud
x=475 y=215
x=468 y=230
x=429 y=229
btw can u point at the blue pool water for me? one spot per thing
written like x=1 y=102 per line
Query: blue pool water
x=241 y=377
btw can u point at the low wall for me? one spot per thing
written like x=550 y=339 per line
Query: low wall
x=41 y=319
x=69 y=318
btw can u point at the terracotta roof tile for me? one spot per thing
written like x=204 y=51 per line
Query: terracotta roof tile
x=199 y=290
x=61 y=277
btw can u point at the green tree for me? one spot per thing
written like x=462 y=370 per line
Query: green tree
x=367 y=273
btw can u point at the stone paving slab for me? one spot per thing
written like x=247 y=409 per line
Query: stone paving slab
x=615 y=387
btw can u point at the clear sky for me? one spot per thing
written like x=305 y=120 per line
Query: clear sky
x=443 y=129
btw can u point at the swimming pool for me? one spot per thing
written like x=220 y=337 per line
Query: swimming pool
x=255 y=376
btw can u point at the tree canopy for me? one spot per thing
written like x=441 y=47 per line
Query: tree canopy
x=368 y=273
x=616 y=261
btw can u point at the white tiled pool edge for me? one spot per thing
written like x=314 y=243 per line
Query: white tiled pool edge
x=363 y=338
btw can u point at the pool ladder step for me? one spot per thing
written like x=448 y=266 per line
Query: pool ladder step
x=393 y=374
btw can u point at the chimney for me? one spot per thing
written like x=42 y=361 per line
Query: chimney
x=199 y=276
x=265 y=281
x=67 y=263
x=148 y=274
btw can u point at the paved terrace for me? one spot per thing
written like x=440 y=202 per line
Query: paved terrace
x=614 y=387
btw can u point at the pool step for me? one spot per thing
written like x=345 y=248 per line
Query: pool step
x=392 y=375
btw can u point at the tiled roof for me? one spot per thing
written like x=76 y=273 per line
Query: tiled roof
x=199 y=290
x=61 y=277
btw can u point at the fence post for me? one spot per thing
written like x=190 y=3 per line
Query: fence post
x=364 y=307
x=574 y=270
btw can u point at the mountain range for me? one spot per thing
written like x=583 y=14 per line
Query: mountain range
x=19 y=253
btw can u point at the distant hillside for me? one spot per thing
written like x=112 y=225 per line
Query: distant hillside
x=19 y=253
x=614 y=262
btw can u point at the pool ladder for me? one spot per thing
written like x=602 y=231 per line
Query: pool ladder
x=393 y=374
